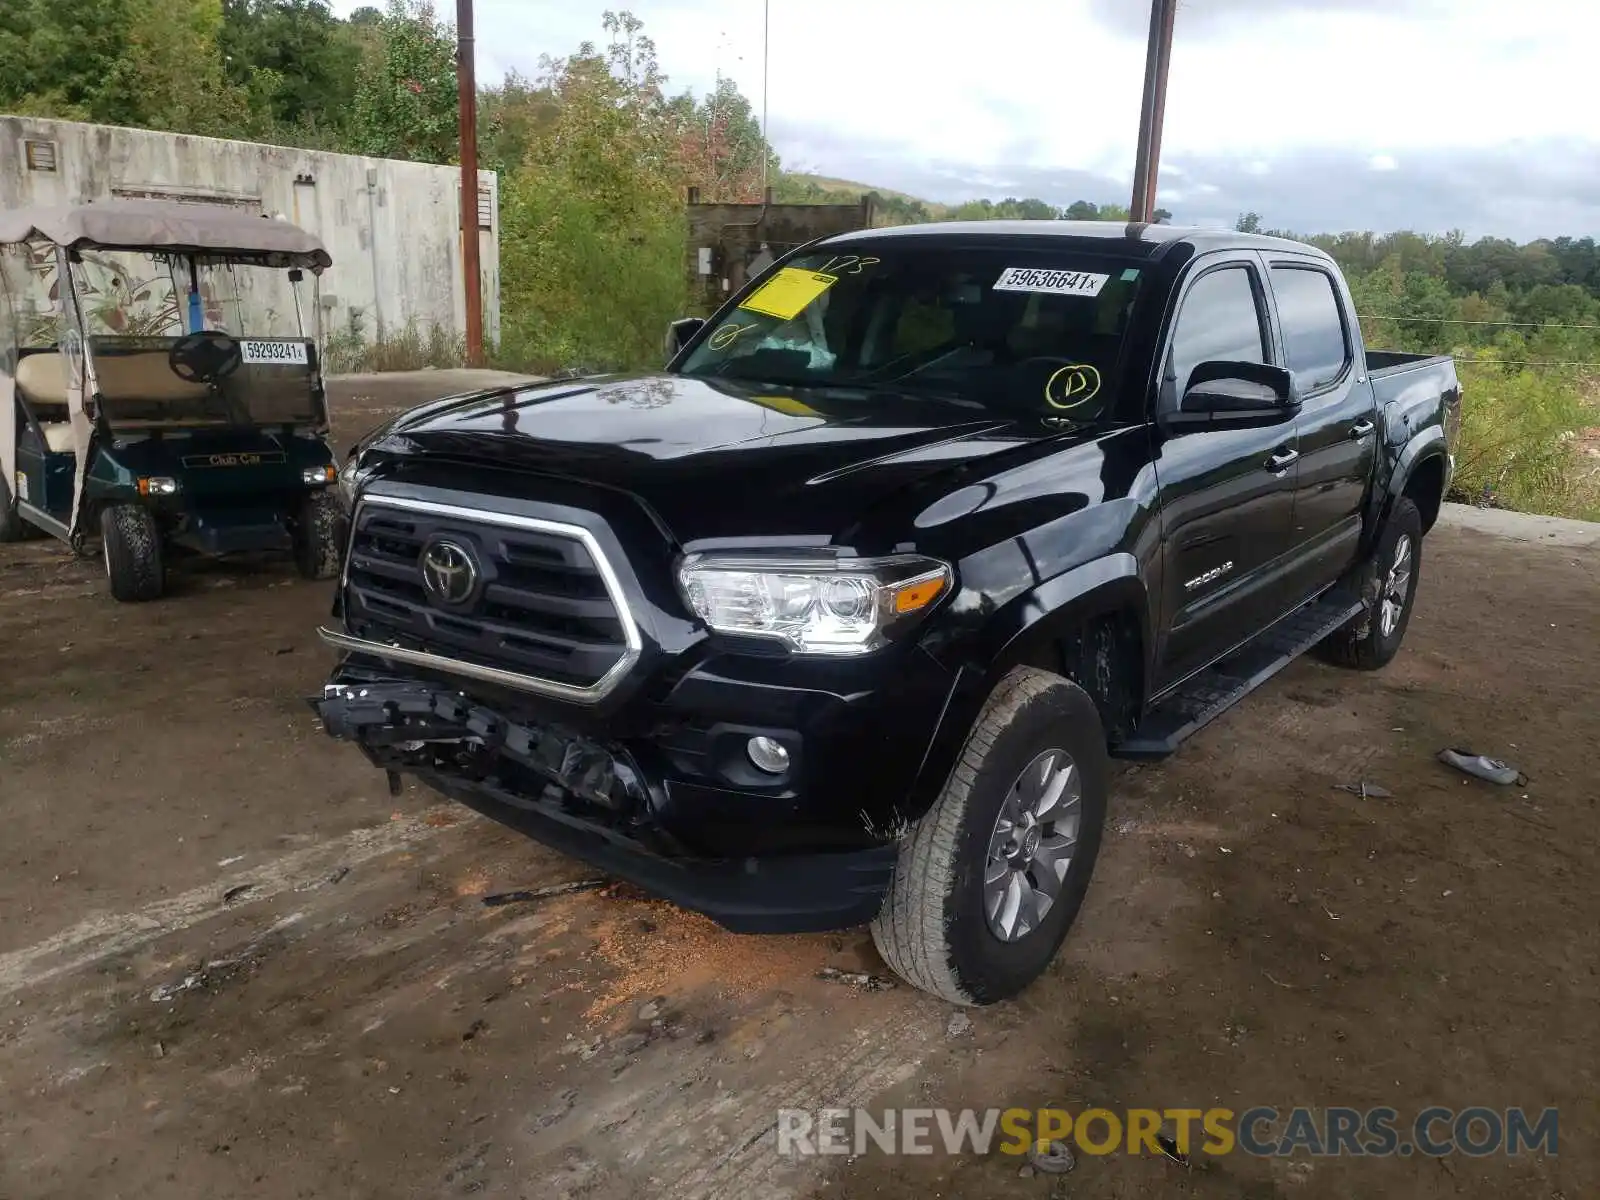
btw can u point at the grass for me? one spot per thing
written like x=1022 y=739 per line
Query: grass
x=1529 y=441
x=409 y=349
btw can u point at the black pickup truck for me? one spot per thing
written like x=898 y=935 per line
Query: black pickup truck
x=839 y=618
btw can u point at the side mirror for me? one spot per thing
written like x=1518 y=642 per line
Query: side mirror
x=1233 y=395
x=681 y=332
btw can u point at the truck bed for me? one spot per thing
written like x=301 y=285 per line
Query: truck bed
x=1416 y=388
x=1390 y=362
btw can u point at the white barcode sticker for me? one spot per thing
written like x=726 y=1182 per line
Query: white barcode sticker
x=274 y=353
x=1062 y=283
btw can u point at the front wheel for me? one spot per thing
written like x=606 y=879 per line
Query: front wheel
x=1388 y=582
x=131 y=542
x=317 y=540
x=991 y=878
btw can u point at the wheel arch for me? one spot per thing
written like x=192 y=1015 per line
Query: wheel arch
x=1422 y=472
x=1046 y=628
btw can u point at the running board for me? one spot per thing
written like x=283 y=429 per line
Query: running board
x=1212 y=692
x=37 y=516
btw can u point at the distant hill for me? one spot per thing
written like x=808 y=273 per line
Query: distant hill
x=854 y=190
x=892 y=207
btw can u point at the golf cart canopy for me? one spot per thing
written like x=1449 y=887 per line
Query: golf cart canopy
x=209 y=231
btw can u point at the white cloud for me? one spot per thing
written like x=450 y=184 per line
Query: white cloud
x=1036 y=85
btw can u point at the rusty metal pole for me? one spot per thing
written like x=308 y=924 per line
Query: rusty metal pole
x=1168 y=18
x=1147 y=157
x=467 y=99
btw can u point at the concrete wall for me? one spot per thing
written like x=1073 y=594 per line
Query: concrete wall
x=393 y=228
x=730 y=243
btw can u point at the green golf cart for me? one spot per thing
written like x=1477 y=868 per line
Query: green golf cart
x=161 y=387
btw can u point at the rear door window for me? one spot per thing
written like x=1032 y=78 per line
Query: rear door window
x=1314 y=340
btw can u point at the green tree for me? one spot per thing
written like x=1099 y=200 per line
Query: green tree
x=511 y=115
x=405 y=91
x=153 y=63
x=1249 y=222
x=299 y=58
x=720 y=145
x=596 y=202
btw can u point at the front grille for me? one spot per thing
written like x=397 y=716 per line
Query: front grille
x=543 y=606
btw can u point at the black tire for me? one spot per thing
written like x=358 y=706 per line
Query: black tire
x=933 y=929
x=318 y=537
x=131 y=542
x=1364 y=645
x=12 y=527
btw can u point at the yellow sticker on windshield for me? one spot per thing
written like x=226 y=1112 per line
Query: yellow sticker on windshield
x=787 y=293
x=785 y=404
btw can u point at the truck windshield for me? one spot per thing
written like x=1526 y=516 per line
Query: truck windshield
x=1011 y=329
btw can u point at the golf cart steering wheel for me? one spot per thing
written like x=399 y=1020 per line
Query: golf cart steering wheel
x=204 y=356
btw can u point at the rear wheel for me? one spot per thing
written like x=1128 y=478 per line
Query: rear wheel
x=12 y=527
x=131 y=543
x=990 y=880
x=1388 y=583
x=317 y=541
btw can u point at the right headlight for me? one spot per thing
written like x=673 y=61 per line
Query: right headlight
x=813 y=603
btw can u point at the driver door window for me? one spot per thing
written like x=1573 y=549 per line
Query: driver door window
x=1220 y=321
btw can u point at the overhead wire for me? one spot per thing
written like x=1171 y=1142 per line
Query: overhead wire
x=1454 y=321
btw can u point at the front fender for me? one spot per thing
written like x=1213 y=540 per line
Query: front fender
x=1027 y=631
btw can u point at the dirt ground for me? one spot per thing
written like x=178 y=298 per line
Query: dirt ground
x=232 y=965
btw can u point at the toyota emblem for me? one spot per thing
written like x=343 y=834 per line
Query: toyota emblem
x=449 y=573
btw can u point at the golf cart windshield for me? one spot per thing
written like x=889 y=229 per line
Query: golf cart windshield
x=221 y=344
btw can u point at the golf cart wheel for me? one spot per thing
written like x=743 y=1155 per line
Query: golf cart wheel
x=991 y=878
x=12 y=527
x=317 y=540
x=132 y=546
x=1388 y=582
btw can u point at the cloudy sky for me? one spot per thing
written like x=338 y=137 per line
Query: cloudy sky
x=1319 y=114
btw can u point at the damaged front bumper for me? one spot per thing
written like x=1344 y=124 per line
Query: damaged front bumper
x=595 y=801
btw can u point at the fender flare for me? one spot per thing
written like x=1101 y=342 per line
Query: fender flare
x=1426 y=444
x=1024 y=631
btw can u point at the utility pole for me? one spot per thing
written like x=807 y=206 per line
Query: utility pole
x=467 y=99
x=766 y=147
x=1147 y=158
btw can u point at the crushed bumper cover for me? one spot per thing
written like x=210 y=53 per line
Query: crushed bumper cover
x=594 y=802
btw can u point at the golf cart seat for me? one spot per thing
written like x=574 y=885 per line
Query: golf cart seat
x=142 y=374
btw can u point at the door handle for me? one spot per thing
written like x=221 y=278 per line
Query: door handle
x=1282 y=460
x=1361 y=430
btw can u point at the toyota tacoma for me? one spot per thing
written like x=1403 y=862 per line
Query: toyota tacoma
x=840 y=617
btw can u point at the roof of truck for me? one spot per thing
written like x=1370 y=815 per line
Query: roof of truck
x=170 y=227
x=1139 y=238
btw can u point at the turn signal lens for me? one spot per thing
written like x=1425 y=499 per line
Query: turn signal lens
x=158 y=485
x=919 y=593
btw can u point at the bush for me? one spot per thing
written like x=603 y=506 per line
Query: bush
x=412 y=348
x=1521 y=444
x=580 y=290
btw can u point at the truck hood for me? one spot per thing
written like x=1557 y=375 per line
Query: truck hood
x=714 y=458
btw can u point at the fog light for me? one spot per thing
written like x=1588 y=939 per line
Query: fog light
x=317 y=476
x=768 y=755
x=158 y=485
